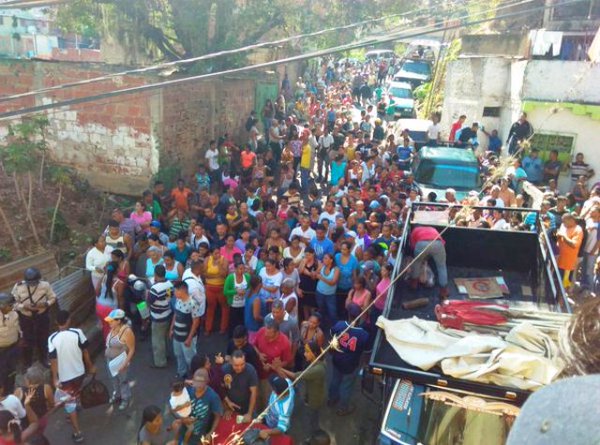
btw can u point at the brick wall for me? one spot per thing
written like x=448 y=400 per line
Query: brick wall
x=115 y=142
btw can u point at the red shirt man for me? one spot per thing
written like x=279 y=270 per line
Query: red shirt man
x=270 y=344
x=424 y=234
x=456 y=126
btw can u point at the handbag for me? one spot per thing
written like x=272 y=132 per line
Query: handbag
x=94 y=394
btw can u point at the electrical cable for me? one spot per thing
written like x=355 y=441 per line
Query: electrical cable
x=165 y=65
x=304 y=56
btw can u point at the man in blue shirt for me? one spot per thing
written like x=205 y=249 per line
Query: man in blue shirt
x=346 y=361
x=405 y=153
x=494 y=142
x=534 y=167
x=281 y=407
x=321 y=243
x=206 y=407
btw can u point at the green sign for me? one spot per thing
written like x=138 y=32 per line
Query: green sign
x=561 y=142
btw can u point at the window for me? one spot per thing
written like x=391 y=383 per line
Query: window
x=491 y=111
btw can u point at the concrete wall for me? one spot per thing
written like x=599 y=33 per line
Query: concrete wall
x=566 y=81
x=514 y=44
x=474 y=83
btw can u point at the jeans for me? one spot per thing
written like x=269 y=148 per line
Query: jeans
x=341 y=386
x=183 y=355
x=304 y=178
x=438 y=252
x=120 y=385
x=327 y=305
x=587 y=269
x=159 y=342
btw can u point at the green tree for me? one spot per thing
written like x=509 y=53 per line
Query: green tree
x=62 y=177
x=177 y=29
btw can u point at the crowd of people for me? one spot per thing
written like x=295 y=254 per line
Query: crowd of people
x=279 y=244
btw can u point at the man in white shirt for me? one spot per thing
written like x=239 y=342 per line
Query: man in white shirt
x=329 y=213
x=198 y=237
x=325 y=143
x=494 y=194
x=69 y=359
x=196 y=289
x=212 y=157
x=304 y=231
x=434 y=131
x=95 y=260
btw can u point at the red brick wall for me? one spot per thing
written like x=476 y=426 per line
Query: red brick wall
x=115 y=142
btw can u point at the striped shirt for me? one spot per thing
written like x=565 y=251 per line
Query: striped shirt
x=159 y=298
x=178 y=225
x=280 y=413
x=185 y=312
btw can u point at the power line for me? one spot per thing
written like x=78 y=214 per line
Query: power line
x=218 y=54
x=332 y=50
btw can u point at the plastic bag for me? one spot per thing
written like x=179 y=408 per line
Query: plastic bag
x=426 y=275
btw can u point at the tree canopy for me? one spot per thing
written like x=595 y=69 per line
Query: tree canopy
x=179 y=29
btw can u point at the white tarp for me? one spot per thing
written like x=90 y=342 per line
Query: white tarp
x=473 y=356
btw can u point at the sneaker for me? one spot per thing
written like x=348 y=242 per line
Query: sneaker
x=77 y=437
x=123 y=405
x=114 y=399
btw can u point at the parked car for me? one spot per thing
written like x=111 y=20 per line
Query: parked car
x=417 y=130
x=377 y=54
x=401 y=94
x=414 y=72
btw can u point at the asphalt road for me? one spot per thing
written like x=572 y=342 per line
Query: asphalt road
x=105 y=425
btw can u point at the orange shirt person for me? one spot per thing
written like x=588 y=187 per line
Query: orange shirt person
x=181 y=196
x=570 y=237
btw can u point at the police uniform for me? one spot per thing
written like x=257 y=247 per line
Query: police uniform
x=35 y=324
x=9 y=341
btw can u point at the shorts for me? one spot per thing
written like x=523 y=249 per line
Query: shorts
x=68 y=393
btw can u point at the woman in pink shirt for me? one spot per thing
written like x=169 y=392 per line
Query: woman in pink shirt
x=229 y=250
x=359 y=295
x=142 y=217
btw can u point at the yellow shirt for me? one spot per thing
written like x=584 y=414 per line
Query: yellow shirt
x=350 y=150
x=306 y=156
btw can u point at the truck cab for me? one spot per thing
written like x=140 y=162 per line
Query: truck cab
x=437 y=168
x=429 y=407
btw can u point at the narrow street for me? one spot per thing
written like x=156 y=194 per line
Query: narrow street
x=106 y=425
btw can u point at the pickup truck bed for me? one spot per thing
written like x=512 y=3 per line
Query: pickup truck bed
x=521 y=258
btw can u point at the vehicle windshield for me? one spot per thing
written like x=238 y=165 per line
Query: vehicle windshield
x=401 y=93
x=448 y=418
x=417 y=68
x=444 y=175
x=445 y=424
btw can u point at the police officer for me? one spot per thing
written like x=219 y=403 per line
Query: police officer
x=9 y=341
x=33 y=299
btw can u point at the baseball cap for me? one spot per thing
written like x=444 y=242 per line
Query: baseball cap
x=199 y=379
x=115 y=314
x=369 y=265
x=155 y=224
x=374 y=204
x=541 y=423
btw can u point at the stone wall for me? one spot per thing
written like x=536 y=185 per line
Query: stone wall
x=115 y=143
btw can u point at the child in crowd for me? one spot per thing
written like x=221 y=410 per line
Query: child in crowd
x=181 y=408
